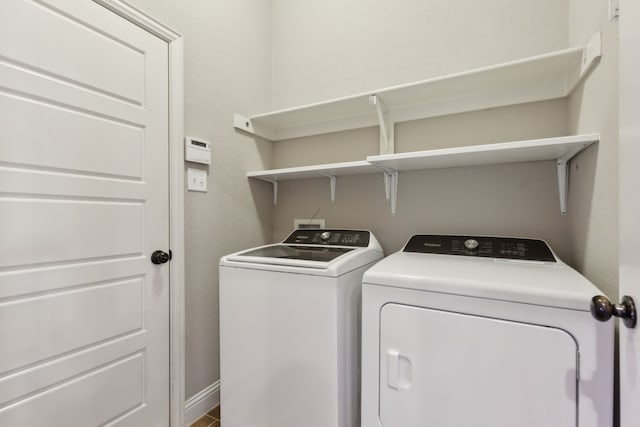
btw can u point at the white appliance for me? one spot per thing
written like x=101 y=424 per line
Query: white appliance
x=483 y=332
x=289 y=330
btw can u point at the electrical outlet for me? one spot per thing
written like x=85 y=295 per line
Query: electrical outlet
x=197 y=180
x=308 y=223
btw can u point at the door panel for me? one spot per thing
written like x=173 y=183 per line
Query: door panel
x=51 y=231
x=448 y=369
x=99 y=145
x=106 y=310
x=90 y=409
x=51 y=30
x=84 y=314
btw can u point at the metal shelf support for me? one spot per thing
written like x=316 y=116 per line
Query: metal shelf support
x=332 y=187
x=386 y=127
x=563 y=176
x=275 y=192
x=391 y=188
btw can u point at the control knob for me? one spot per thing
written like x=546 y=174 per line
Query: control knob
x=471 y=244
x=324 y=236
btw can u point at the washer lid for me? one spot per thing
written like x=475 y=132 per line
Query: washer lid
x=306 y=257
x=305 y=253
x=530 y=282
x=312 y=251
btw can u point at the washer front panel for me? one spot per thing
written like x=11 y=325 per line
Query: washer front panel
x=445 y=369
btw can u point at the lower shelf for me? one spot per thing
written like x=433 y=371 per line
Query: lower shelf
x=560 y=149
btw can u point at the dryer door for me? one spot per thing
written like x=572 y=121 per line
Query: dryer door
x=447 y=369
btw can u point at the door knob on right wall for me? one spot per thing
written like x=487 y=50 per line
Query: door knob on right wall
x=602 y=309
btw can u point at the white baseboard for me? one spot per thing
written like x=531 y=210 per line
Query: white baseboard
x=201 y=403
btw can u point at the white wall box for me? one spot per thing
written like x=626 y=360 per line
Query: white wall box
x=197 y=150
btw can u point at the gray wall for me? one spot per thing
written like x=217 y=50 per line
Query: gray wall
x=593 y=201
x=337 y=48
x=227 y=62
x=519 y=200
x=253 y=56
x=331 y=48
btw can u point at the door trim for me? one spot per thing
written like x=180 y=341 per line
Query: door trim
x=176 y=198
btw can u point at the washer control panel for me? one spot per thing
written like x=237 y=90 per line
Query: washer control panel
x=489 y=247
x=329 y=237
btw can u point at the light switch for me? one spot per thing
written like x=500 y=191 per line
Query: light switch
x=197 y=180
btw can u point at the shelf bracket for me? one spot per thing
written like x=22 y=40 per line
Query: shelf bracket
x=275 y=191
x=332 y=186
x=563 y=184
x=391 y=188
x=386 y=127
x=591 y=52
x=245 y=124
x=563 y=176
x=387 y=185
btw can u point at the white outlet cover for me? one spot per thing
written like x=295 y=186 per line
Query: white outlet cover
x=197 y=180
x=308 y=223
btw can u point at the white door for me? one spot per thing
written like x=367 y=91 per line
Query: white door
x=421 y=370
x=629 y=206
x=84 y=314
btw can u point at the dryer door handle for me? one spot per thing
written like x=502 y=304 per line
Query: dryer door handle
x=398 y=370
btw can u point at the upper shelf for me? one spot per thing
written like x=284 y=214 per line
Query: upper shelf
x=549 y=76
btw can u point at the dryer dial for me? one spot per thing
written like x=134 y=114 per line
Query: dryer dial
x=471 y=244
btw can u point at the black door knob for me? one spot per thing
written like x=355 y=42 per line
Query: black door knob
x=602 y=309
x=160 y=257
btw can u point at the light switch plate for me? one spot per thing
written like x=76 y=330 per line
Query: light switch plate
x=196 y=180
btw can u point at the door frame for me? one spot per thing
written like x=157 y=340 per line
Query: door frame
x=176 y=199
x=629 y=234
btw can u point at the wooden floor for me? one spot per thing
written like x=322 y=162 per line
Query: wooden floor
x=210 y=419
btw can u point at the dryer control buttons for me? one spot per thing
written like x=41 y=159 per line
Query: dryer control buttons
x=475 y=246
x=335 y=237
x=471 y=244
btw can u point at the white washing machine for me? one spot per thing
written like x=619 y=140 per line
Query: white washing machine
x=483 y=332
x=289 y=330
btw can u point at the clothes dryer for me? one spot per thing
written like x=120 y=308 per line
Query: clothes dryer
x=483 y=332
x=289 y=330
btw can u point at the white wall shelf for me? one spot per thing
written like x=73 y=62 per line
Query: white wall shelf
x=560 y=149
x=316 y=171
x=538 y=78
x=549 y=76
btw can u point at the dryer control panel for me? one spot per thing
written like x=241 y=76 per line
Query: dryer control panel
x=488 y=247
x=331 y=237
